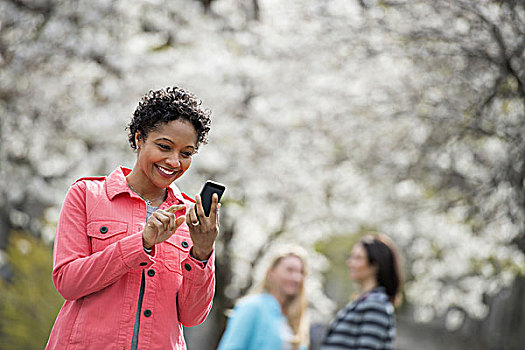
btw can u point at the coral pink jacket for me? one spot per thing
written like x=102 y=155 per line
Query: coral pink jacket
x=97 y=267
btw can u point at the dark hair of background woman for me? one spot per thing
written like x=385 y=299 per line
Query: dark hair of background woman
x=382 y=254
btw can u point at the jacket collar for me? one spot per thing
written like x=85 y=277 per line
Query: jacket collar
x=116 y=183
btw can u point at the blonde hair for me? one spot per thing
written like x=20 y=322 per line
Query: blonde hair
x=295 y=311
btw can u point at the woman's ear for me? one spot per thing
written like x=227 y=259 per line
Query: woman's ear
x=270 y=278
x=138 y=139
x=270 y=274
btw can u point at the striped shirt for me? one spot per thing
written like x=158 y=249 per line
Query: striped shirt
x=367 y=323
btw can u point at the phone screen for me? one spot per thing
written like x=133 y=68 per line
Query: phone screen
x=209 y=188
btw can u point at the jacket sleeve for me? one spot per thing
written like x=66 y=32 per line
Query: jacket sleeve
x=240 y=327
x=77 y=272
x=195 y=297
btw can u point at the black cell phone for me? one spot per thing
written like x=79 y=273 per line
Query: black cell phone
x=209 y=188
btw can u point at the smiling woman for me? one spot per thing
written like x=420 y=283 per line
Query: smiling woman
x=163 y=156
x=130 y=268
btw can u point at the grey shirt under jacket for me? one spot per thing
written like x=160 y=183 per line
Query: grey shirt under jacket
x=366 y=323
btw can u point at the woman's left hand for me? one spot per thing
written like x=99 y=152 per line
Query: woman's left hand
x=203 y=229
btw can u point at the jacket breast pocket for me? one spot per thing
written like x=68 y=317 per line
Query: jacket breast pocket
x=175 y=250
x=103 y=233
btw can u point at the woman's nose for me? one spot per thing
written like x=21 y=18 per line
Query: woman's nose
x=173 y=161
x=298 y=277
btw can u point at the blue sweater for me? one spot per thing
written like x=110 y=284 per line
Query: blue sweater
x=255 y=324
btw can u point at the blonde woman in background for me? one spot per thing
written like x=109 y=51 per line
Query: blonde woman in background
x=275 y=318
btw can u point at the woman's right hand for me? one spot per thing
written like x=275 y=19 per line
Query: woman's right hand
x=161 y=225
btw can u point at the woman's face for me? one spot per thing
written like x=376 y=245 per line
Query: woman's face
x=287 y=276
x=166 y=153
x=360 y=270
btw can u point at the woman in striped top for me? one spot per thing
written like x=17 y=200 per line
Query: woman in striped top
x=369 y=322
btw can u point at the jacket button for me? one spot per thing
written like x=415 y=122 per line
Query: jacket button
x=187 y=267
x=151 y=272
x=103 y=229
x=147 y=313
x=185 y=244
x=143 y=264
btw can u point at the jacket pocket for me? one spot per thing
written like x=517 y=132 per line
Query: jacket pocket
x=104 y=233
x=176 y=249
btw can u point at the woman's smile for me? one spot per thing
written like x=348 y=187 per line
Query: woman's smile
x=165 y=172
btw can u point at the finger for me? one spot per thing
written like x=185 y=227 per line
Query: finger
x=198 y=206
x=179 y=221
x=172 y=218
x=214 y=207
x=217 y=214
x=155 y=224
x=169 y=213
x=172 y=226
x=161 y=213
x=191 y=217
x=163 y=217
x=175 y=207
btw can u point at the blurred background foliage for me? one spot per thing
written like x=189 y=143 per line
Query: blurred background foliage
x=29 y=301
x=338 y=249
x=329 y=117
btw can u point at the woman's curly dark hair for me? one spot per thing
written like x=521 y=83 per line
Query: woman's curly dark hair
x=164 y=105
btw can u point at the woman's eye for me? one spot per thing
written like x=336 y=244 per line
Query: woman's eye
x=187 y=154
x=164 y=147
